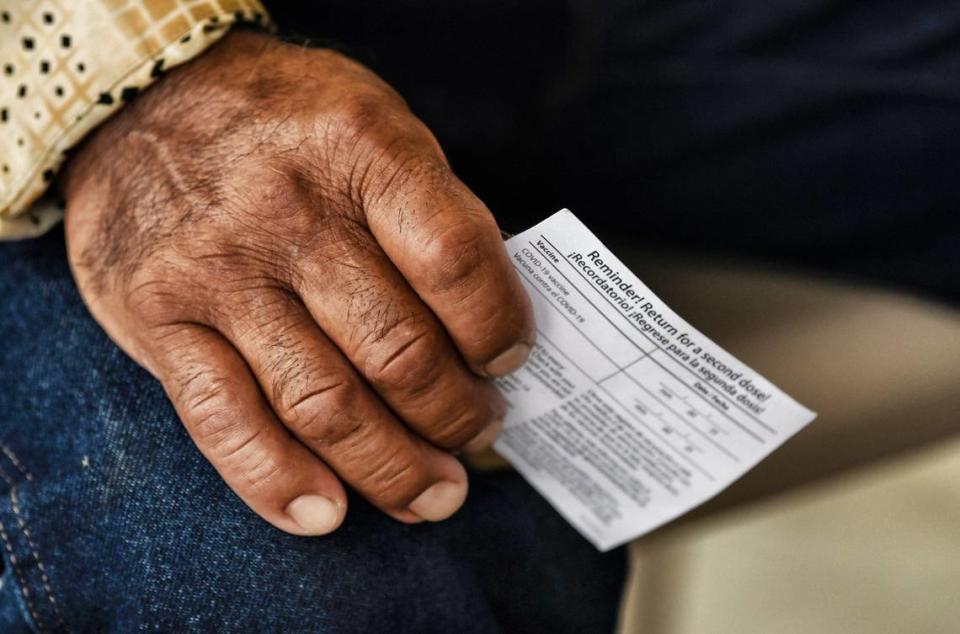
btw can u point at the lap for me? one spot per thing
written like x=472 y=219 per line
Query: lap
x=112 y=520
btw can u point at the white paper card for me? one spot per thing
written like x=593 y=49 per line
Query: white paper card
x=625 y=416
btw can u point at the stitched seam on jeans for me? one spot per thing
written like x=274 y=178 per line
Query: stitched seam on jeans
x=16 y=462
x=24 y=591
x=45 y=580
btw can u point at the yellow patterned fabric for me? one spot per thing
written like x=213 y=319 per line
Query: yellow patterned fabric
x=66 y=65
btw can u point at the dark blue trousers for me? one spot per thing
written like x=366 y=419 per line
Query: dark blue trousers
x=111 y=520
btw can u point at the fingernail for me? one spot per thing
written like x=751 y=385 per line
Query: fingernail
x=509 y=361
x=484 y=439
x=315 y=514
x=440 y=501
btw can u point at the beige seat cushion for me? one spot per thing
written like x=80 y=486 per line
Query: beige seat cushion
x=880 y=367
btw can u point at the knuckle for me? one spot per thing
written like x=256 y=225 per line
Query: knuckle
x=257 y=468
x=454 y=256
x=361 y=112
x=459 y=428
x=391 y=476
x=360 y=451
x=243 y=458
x=206 y=399
x=322 y=413
x=404 y=361
x=227 y=438
x=153 y=301
x=492 y=327
x=201 y=391
x=408 y=363
x=260 y=310
x=398 y=166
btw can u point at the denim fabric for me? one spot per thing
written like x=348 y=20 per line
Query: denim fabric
x=112 y=521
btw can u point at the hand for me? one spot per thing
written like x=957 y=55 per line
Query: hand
x=274 y=236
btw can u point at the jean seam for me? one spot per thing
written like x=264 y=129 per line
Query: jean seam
x=47 y=590
x=18 y=574
x=16 y=462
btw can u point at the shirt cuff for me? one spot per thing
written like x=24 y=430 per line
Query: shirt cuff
x=68 y=65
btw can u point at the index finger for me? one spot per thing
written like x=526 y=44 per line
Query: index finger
x=446 y=243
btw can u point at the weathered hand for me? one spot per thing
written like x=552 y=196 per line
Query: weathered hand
x=271 y=233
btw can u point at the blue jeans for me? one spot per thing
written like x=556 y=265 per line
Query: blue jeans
x=112 y=521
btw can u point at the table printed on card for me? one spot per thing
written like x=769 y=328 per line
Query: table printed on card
x=625 y=416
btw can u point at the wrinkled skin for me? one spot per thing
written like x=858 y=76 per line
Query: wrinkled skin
x=273 y=235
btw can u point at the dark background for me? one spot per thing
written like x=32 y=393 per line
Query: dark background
x=823 y=135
